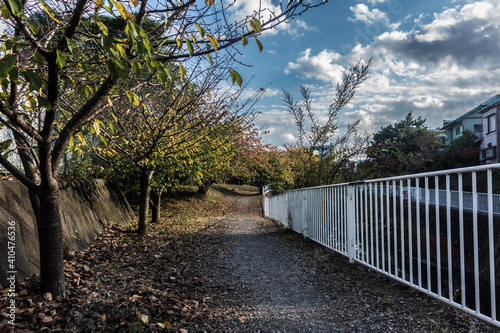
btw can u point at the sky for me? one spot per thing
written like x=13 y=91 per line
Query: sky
x=438 y=59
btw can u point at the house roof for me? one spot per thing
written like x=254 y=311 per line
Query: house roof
x=493 y=100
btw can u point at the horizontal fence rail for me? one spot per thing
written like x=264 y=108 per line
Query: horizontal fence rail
x=436 y=232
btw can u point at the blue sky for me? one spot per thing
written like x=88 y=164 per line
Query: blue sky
x=438 y=59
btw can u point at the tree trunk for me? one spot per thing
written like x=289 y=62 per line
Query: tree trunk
x=50 y=240
x=146 y=176
x=156 y=203
x=45 y=204
x=203 y=188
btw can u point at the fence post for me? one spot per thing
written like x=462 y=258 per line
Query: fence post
x=305 y=226
x=265 y=204
x=287 y=209
x=350 y=214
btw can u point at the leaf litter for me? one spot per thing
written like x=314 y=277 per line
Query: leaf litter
x=201 y=269
x=124 y=282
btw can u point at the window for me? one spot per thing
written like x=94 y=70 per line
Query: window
x=490 y=153
x=491 y=123
x=457 y=131
x=478 y=127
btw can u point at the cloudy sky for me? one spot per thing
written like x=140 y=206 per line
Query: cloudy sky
x=437 y=59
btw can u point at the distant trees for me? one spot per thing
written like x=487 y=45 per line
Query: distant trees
x=318 y=159
x=259 y=164
x=463 y=152
x=403 y=148
x=62 y=69
x=408 y=146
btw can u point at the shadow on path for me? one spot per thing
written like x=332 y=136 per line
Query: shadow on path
x=265 y=277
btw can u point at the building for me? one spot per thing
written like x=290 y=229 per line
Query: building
x=483 y=121
x=490 y=143
x=471 y=120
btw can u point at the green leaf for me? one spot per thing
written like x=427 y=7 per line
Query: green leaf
x=44 y=103
x=96 y=126
x=33 y=78
x=71 y=46
x=214 y=42
x=6 y=65
x=39 y=59
x=83 y=67
x=16 y=7
x=200 y=30
x=255 y=24
x=136 y=68
x=189 y=47
x=101 y=26
x=13 y=73
x=81 y=138
x=179 y=42
x=5 y=144
x=106 y=44
x=49 y=11
x=210 y=59
x=244 y=40
x=132 y=98
x=162 y=72
x=236 y=77
x=259 y=44
x=123 y=12
x=113 y=71
x=183 y=70
x=98 y=4
x=88 y=91
x=5 y=12
x=132 y=30
x=33 y=27
x=123 y=68
x=61 y=58
x=104 y=140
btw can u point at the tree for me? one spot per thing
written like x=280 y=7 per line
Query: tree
x=316 y=142
x=462 y=152
x=40 y=68
x=259 y=164
x=404 y=147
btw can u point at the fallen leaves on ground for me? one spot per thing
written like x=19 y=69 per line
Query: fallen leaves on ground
x=127 y=283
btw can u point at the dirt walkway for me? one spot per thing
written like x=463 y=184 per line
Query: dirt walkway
x=261 y=276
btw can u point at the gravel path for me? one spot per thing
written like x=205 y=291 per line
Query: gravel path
x=263 y=277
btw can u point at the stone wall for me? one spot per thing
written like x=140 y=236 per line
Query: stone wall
x=85 y=205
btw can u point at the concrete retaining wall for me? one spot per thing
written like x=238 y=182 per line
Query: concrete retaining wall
x=85 y=205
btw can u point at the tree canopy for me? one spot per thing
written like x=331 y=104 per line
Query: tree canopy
x=408 y=146
x=66 y=64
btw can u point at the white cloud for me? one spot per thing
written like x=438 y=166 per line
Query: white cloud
x=374 y=2
x=322 y=66
x=242 y=9
x=289 y=138
x=271 y=92
x=278 y=124
x=364 y=14
x=438 y=70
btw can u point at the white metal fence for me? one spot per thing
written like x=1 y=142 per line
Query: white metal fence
x=431 y=238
